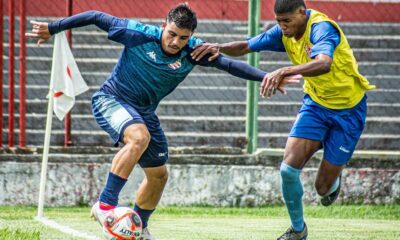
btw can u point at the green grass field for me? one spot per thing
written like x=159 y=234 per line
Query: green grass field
x=336 y=222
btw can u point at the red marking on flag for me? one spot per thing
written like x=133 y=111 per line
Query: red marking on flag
x=58 y=94
x=69 y=72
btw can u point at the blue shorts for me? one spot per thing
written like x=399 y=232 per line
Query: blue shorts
x=337 y=130
x=114 y=115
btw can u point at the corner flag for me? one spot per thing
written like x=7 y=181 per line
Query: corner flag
x=66 y=82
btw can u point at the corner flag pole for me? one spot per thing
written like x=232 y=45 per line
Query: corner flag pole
x=43 y=175
x=46 y=146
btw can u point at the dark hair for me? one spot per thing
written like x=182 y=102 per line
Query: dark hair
x=183 y=16
x=287 y=6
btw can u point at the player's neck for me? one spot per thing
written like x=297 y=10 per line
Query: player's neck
x=302 y=28
x=300 y=34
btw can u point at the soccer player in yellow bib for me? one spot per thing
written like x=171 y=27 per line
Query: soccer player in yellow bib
x=334 y=107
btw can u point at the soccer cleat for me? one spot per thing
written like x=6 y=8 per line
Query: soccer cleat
x=98 y=214
x=290 y=234
x=331 y=198
x=146 y=235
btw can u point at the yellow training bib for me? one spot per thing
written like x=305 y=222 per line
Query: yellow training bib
x=342 y=87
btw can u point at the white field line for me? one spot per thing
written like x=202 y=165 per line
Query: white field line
x=65 y=229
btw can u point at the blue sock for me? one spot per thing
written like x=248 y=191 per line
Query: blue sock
x=333 y=188
x=144 y=214
x=292 y=191
x=112 y=189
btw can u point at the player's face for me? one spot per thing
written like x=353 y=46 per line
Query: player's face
x=174 y=38
x=293 y=24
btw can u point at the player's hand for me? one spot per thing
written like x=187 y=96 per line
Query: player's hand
x=293 y=79
x=273 y=80
x=201 y=50
x=40 y=31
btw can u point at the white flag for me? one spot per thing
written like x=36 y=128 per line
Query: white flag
x=66 y=81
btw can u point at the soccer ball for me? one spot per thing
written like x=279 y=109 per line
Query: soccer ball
x=122 y=223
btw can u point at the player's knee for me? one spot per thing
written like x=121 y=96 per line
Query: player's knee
x=138 y=142
x=160 y=176
x=164 y=177
x=289 y=173
x=137 y=139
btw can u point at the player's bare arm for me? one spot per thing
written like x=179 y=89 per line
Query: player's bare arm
x=234 y=49
x=245 y=71
x=320 y=65
x=242 y=70
x=40 y=31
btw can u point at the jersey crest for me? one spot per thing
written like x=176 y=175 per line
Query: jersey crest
x=175 y=65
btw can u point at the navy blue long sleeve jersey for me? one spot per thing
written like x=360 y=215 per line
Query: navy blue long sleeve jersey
x=144 y=74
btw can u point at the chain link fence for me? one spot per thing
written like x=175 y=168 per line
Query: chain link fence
x=209 y=107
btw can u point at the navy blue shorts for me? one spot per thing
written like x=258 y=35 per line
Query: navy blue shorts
x=337 y=130
x=114 y=115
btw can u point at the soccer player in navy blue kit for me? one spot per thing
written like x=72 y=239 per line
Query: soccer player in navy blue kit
x=154 y=61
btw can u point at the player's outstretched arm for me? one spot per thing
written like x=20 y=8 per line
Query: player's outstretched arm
x=43 y=30
x=245 y=71
x=320 y=65
x=269 y=40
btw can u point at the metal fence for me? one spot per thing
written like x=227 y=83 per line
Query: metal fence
x=209 y=107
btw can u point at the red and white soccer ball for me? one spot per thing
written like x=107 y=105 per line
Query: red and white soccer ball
x=122 y=223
